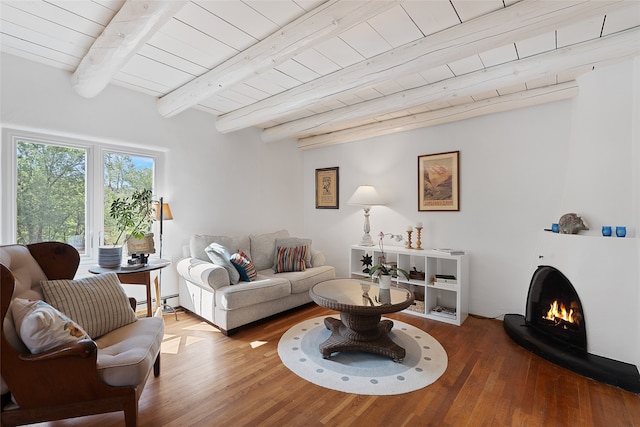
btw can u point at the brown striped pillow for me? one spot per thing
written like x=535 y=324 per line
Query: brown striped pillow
x=296 y=241
x=97 y=303
x=290 y=258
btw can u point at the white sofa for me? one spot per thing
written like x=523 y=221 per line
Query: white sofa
x=206 y=288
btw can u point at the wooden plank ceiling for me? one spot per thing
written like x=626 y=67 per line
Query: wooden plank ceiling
x=326 y=72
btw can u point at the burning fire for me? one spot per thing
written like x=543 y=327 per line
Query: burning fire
x=559 y=312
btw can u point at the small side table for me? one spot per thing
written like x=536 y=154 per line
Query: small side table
x=139 y=276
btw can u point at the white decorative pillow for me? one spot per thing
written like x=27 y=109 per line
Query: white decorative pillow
x=42 y=327
x=98 y=303
x=219 y=255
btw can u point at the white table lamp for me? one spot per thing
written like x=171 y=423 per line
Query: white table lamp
x=366 y=196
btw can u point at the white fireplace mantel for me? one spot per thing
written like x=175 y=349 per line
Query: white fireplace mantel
x=604 y=272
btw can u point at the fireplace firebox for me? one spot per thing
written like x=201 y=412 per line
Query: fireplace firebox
x=554 y=308
x=554 y=327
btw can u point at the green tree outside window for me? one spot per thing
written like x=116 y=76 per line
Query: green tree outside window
x=52 y=191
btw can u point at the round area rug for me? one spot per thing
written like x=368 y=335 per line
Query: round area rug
x=363 y=373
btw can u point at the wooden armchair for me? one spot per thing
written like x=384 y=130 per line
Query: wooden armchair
x=63 y=382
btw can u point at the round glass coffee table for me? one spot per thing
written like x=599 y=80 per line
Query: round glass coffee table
x=361 y=306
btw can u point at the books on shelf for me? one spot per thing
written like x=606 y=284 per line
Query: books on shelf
x=448 y=280
x=448 y=285
x=449 y=251
x=440 y=310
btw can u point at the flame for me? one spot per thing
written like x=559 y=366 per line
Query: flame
x=559 y=312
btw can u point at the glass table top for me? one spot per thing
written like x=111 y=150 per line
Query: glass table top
x=358 y=293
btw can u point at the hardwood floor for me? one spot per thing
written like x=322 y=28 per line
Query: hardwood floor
x=208 y=379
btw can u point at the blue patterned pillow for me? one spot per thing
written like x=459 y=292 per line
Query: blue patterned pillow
x=245 y=267
x=290 y=258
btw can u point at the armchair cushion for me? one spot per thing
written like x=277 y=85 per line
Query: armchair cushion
x=42 y=327
x=126 y=355
x=98 y=303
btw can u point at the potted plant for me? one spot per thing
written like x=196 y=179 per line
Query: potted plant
x=132 y=216
x=382 y=270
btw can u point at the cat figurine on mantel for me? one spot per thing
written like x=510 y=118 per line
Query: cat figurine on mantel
x=571 y=223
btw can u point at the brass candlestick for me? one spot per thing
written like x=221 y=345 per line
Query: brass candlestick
x=409 y=240
x=418 y=243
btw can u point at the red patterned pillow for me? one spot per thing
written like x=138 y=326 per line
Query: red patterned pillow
x=245 y=267
x=290 y=258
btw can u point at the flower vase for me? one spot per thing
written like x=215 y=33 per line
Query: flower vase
x=384 y=281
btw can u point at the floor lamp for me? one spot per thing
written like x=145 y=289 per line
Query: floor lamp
x=162 y=214
x=365 y=196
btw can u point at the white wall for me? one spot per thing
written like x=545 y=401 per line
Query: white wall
x=511 y=182
x=520 y=171
x=215 y=183
x=602 y=175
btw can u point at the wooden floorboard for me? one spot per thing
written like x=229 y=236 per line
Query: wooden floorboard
x=209 y=379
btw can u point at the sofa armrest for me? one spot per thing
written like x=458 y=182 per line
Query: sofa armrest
x=317 y=258
x=202 y=273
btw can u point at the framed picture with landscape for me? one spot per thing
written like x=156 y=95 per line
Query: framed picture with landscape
x=327 y=189
x=438 y=182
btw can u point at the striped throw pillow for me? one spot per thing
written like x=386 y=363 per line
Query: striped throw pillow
x=290 y=258
x=98 y=303
x=243 y=263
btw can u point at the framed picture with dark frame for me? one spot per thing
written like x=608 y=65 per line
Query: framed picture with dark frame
x=327 y=188
x=439 y=182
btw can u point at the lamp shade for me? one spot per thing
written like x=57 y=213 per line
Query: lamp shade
x=365 y=195
x=166 y=212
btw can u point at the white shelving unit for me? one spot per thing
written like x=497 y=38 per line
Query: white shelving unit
x=428 y=295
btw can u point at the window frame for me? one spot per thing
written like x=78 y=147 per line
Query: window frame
x=94 y=180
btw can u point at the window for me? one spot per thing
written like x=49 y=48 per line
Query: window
x=51 y=194
x=122 y=175
x=61 y=189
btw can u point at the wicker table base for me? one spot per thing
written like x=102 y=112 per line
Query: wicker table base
x=361 y=333
x=359 y=327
